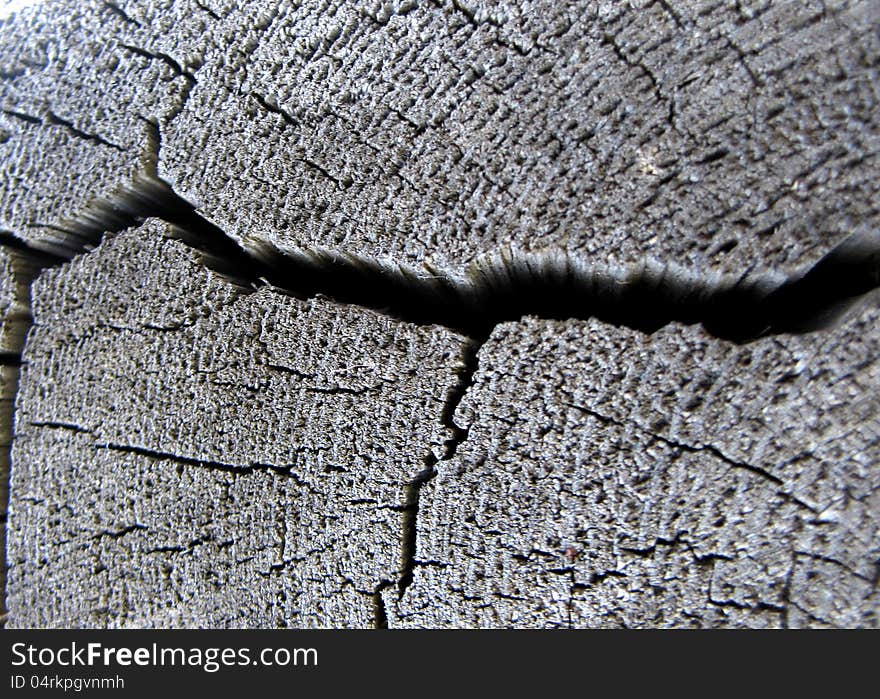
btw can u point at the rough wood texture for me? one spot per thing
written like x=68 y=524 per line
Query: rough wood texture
x=610 y=478
x=73 y=104
x=727 y=134
x=16 y=274
x=191 y=451
x=189 y=455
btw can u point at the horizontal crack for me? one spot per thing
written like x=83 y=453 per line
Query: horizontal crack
x=9 y=240
x=237 y=469
x=118 y=534
x=495 y=288
x=52 y=424
x=509 y=285
x=53 y=119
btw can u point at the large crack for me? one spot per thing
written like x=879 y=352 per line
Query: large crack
x=15 y=325
x=507 y=285
x=495 y=288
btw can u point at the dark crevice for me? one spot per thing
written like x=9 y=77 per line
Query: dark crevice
x=380 y=614
x=10 y=359
x=409 y=526
x=40 y=258
x=412 y=492
x=508 y=285
x=15 y=324
x=502 y=286
x=499 y=287
x=53 y=424
x=21 y=116
x=205 y=8
x=470 y=362
x=119 y=533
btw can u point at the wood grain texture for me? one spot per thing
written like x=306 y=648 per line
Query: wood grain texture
x=718 y=134
x=186 y=451
x=189 y=455
x=611 y=478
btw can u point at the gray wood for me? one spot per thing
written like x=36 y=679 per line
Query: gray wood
x=613 y=478
x=188 y=455
x=718 y=134
x=188 y=451
x=16 y=274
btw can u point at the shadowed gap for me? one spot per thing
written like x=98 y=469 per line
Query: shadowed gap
x=506 y=285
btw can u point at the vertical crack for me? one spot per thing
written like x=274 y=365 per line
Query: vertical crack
x=412 y=493
x=16 y=323
x=409 y=524
x=380 y=614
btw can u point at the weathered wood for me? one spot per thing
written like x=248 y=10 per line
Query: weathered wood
x=189 y=455
x=73 y=105
x=611 y=478
x=723 y=135
x=189 y=451
x=16 y=274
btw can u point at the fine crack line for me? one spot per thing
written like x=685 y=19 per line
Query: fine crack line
x=119 y=533
x=409 y=525
x=412 y=492
x=695 y=449
x=236 y=469
x=274 y=109
x=53 y=119
x=119 y=12
x=164 y=57
x=207 y=9
x=53 y=424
